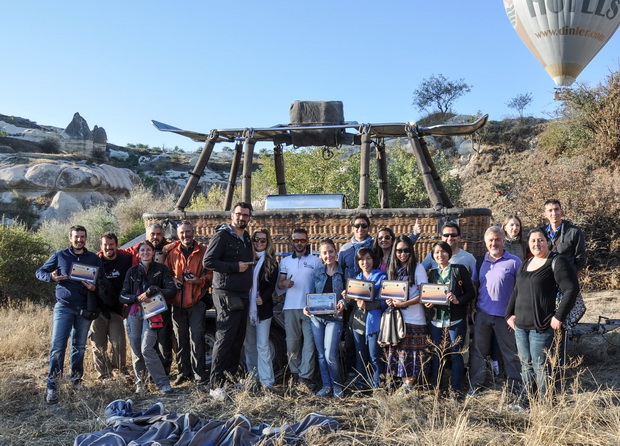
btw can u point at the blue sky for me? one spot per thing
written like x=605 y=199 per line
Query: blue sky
x=200 y=65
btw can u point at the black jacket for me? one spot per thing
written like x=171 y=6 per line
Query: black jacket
x=223 y=255
x=571 y=243
x=461 y=286
x=265 y=290
x=137 y=281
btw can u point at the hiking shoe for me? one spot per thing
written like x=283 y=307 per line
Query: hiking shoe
x=325 y=391
x=51 y=396
x=218 y=394
x=167 y=389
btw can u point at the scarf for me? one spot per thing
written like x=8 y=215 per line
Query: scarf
x=367 y=243
x=254 y=291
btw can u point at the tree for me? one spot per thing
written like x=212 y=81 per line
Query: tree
x=439 y=92
x=520 y=102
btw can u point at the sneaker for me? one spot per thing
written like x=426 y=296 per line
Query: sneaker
x=167 y=389
x=325 y=391
x=338 y=393
x=51 y=396
x=218 y=394
x=454 y=395
x=473 y=391
x=308 y=383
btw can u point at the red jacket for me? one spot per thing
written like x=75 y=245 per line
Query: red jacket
x=190 y=294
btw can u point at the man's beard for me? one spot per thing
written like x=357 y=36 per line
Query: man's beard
x=157 y=244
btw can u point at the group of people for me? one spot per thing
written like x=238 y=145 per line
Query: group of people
x=510 y=293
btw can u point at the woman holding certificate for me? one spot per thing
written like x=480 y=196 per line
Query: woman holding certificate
x=366 y=321
x=449 y=320
x=258 y=356
x=407 y=359
x=144 y=283
x=327 y=327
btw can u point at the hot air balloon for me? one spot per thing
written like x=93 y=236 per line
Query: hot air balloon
x=564 y=35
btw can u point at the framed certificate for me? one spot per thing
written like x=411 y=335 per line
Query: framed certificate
x=80 y=271
x=360 y=289
x=324 y=303
x=156 y=305
x=394 y=289
x=434 y=293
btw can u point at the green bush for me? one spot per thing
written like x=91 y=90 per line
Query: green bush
x=21 y=254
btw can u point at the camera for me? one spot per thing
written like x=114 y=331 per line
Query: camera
x=152 y=291
x=188 y=276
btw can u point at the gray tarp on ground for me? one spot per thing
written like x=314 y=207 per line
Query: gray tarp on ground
x=155 y=427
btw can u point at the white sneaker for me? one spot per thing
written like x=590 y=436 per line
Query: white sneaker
x=51 y=396
x=218 y=394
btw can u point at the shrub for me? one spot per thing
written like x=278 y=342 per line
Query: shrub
x=128 y=211
x=50 y=145
x=21 y=253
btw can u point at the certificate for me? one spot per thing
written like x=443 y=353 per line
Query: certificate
x=156 y=305
x=434 y=293
x=80 y=271
x=360 y=289
x=394 y=289
x=324 y=303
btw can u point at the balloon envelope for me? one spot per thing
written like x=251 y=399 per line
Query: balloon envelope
x=564 y=35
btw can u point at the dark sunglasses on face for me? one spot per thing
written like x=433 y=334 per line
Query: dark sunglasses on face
x=360 y=225
x=403 y=251
x=300 y=240
x=449 y=235
x=385 y=237
x=260 y=240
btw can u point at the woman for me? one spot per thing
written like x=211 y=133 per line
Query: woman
x=146 y=278
x=531 y=311
x=514 y=243
x=383 y=248
x=258 y=356
x=326 y=329
x=449 y=322
x=366 y=321
x=406 y=360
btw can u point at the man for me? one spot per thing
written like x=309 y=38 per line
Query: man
x=566 y=238
x=297 y=278
x=109 y=324
x=498 y=273
x=231 y=257
x=451 y=234
x=569 y=241
x=188 y=309
x=361 y=238
x=155 y=235
x=71 y=310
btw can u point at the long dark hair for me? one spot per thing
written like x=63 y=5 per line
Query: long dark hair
x=396 y=264
x=377 y=248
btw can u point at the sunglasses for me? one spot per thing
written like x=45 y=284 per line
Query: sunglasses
x=300 y=240
x=360 y=225
x=384 y=237
x=260 y=240
x=449 y=235
x=403 y=251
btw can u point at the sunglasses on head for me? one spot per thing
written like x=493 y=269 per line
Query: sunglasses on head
x=260 y=239
x=360 y=225
x=403 y=251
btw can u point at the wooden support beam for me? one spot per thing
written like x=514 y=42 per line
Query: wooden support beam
x=248 y=157
x=232 y=178
x=364 y=168
x=425 y=170
x=384 y=199
x=278 y=159
x=195 y=174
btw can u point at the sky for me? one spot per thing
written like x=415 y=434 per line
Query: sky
x=201 y=65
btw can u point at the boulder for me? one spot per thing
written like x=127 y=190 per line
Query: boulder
x=78 y=128
x=61 y=208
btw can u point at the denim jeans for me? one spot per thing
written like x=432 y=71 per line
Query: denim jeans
x=66 y=322
x=299 y=343
x=258 y=354
x=368 y=350
x=143 y=343
x=455 y=332
x=326 y=332
x=532 y=348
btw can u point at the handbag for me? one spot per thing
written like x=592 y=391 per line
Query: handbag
x=392 y=329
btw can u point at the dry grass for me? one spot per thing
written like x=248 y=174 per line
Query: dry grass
x=587 y=412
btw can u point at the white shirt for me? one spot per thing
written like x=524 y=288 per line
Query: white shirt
x=414 y=314
x=301 y=271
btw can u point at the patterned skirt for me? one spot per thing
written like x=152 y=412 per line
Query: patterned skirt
x=409 y=357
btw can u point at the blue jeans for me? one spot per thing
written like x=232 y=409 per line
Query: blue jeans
x=258 y=354
x=143 y=343
x=532 y=348
x=453 y=349
x=367 y=349
x=67 y=322
x=326 y=332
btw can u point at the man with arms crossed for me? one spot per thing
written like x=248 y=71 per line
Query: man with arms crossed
x=70 y=308
x=230 y=256
x=498 y=274
x=297 y=278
